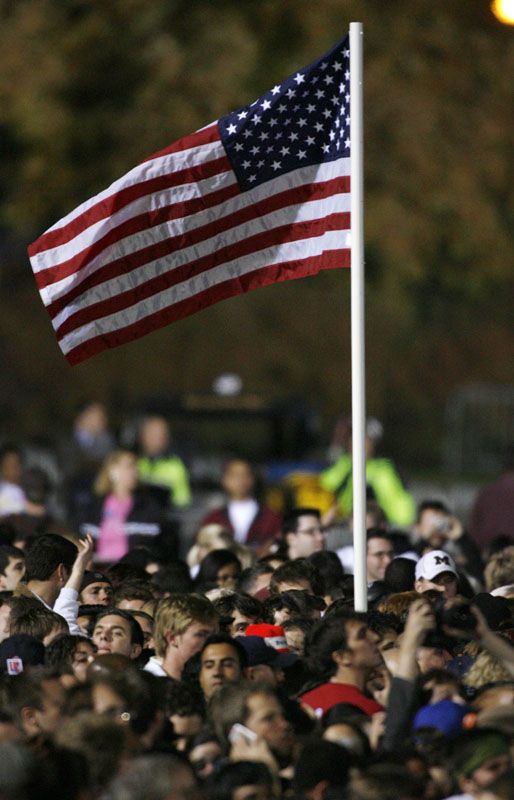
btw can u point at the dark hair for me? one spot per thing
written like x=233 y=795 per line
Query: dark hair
x=7 y=449
x=136 y=632
x=7 y=551
x=224 y=638
x=210 y=566
x=381 y=623
x=290 y=524
x=327 y=637
x=247 y=578
x=121 y=571
x=134 y=589
x=297 y=601
x=182 y=699
x=173 y=577
x=231 y=776
x=304 y=624
x=44 y=555
x=244 y=603
x=399 y=575
x=299 y=569
x=140 y=692
x=432 y=505
x=59 y=653
x=36 y=485
x=37 y=622
x=320 y=760
x=377 y=533
x=329 y=566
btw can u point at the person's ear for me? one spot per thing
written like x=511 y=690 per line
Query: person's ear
x=172 y=640
x=62 y=574
x=135 y=651
x=29 y=721
x=342 y=658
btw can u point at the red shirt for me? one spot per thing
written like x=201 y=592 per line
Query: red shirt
x=329 y=694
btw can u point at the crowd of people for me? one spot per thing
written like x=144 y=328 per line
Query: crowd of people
x=241 y=671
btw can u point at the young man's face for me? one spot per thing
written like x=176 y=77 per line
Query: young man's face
x=12 y=575
x=99 y=594
x=193 y=639
x=113 y=634
x=379 y=555
x=308 y=537
x=445 y=582
x=486 y=773
x=362 y=642
x=219 y=665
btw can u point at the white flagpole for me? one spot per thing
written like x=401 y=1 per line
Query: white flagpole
x=357 y=313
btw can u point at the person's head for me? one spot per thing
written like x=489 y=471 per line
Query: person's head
x=12 y=567
x=379 y=554
x=118 y=474
x=133 y=595
x=499 y=570
x=204 y=752
x=209 y=537
x=50 y=559
x=321 y=764
x=399 y=575
x=329 y=566
x=11 y=464
x=183 y=623
x=500 y=788
x=433 y=522
x=146 y=623
x=298 y=574
x=219 y=569
x=222 y=660
x=95 y=589
x=184 y=708
x=293 y=603
x=91 y=418
x=256 y=706
x=36 y=486
x=302 y=533
x=154 y=436
x=436 y=570
x=40 y=622
x=242 y=780
x=171 y=578
x=296 y=630
x=256 y=579
x=478 y=757
x=116 y=631
x=238 y=479
x=343 y=644
x=386 y=781
x=129 y=697
x=70 y=655
x=170 y=776
x=237 y=611
x=35 y=700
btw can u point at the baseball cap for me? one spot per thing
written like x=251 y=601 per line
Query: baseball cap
x=446 y=716
x=20 y=651
x=258 y=652
x=273 y=635
x=433 y=564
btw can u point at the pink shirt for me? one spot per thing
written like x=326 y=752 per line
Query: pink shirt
x=113 y=540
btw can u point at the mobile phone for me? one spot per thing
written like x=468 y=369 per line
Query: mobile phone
x=238 y=730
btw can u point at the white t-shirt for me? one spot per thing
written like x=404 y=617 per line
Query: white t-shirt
x=241 y=514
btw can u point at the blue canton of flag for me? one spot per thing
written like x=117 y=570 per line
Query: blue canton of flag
x=302 y=121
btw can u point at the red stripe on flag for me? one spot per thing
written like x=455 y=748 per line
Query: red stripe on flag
x=286 y=233
x=331 y=259
x=122 y=197
x=157 y=250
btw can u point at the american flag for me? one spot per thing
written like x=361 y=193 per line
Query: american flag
x=260 y=196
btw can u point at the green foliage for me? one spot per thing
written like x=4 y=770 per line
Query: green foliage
x=89 y=88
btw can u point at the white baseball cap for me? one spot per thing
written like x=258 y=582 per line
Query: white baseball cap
x=433 y=564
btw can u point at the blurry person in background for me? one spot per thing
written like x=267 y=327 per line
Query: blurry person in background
x=249 y=521
x=438 y=529
x=120 y=516
x=34 y=518
x=384 y=483
x=80 y=455
x=11 y=493
x=302 y=533
x=157 y=465
x=218 y=570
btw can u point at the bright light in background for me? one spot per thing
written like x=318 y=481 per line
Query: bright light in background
x=504 y=11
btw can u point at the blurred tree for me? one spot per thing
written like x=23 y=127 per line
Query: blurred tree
x=87 y=89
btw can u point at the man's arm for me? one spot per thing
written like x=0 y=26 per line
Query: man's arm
x=67 y=604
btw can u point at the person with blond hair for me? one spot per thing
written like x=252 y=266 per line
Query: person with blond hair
x=120 y=516
x=182 y=624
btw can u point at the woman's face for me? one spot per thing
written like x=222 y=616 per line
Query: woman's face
x=123 y=473
x=226 y=576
